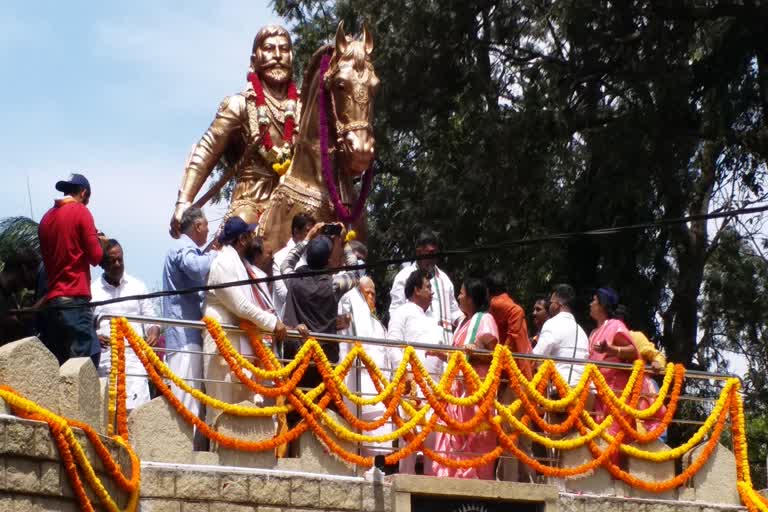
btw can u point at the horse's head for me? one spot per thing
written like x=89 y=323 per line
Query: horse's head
x=352 y=84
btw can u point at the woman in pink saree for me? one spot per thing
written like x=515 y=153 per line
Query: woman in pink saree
x=477 y=330
x=611 y=341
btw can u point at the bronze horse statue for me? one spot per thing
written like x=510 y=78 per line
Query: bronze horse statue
x=335 y=144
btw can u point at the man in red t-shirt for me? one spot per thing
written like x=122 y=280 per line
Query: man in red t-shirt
x=70 y=245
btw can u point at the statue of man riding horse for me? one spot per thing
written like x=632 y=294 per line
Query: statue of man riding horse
x=278 y=170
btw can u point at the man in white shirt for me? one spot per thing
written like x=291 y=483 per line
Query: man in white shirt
x=411 y=323
x=112 y=284
x=444 y=310
x=231 y=305
x=561 y=336
x=360 y=304
x=300 y=226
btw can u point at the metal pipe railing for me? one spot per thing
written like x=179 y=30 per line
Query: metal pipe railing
x=338 y=338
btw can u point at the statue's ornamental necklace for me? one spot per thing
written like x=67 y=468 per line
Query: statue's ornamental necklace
x=279 y=157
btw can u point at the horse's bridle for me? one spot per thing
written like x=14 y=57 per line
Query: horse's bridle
x=359 y=95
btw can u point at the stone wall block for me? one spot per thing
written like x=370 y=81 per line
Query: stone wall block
x=341 y=495
x=22 y=475
x=38 y=504
x=50 y=478
x=652 y=472
x=30 y=368
x=195 y=485
x=270 y=490
x=20 y=437
x=305 y=492
x=222 y=506
x=159 y=434
x=567 y=504
x=45 y=447
x=195 y=506
x=79 y=395
x=598 y=482
x=716 y=481
x=152 y=505
x=233 y=488
x=158 y=483
x=247 y=429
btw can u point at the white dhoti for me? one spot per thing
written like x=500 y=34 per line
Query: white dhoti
x=221 y=383
x=190 y=368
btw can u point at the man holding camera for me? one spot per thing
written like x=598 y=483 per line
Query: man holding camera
x=313 y=299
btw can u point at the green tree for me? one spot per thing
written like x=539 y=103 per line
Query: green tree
x=17 y=232
x=500 y=120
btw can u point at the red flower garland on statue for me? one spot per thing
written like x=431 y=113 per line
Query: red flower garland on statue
x=281 y=157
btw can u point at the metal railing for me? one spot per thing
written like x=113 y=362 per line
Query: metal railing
x=339 y=338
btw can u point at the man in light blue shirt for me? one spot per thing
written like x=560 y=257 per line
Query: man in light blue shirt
x=186 y=266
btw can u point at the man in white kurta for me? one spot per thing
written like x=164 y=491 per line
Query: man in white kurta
x=411 y=323
x=231 y=305
x=112 y=284
x=300 y=226
x=360 y=304
x=561 y=336
x=443 y=310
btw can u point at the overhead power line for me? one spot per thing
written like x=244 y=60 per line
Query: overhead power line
x=660 y=223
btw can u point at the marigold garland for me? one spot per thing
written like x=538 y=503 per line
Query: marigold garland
x=112 y=403
x=74 y=458
x=161 y=368
x=621 y=408
x=206 y=430
x=122 y=411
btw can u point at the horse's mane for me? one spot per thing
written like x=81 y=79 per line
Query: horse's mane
x=311 y=70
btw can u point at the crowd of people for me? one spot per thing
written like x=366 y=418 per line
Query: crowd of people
x=424 y=308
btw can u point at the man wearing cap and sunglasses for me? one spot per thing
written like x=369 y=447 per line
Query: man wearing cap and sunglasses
x=70 y=245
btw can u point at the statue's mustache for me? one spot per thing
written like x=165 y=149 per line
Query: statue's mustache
x=275 y=65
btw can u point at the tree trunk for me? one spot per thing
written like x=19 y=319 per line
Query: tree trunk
x=690 y=243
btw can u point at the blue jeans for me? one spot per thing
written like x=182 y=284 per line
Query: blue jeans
x=69 y=331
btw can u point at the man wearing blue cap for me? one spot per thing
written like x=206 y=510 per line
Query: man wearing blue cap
x=70 y=245
x=232 y=305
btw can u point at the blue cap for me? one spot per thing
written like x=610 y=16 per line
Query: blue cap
x=607 y=297
x=234 y=227
x=75 y=180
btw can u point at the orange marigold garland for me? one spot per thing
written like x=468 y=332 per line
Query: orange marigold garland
x=624 y=413
x=122 y=412
x=206 y=430
x=73 y=457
